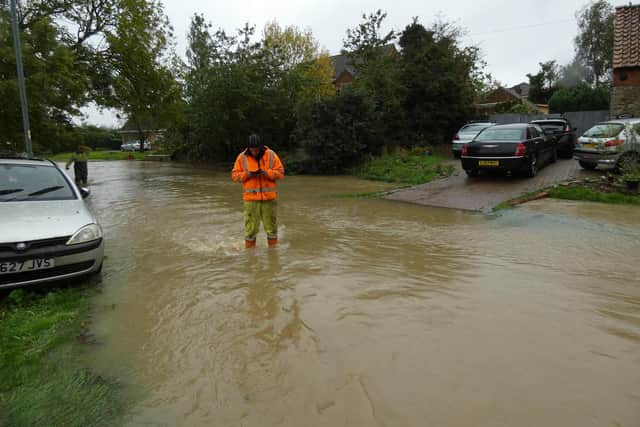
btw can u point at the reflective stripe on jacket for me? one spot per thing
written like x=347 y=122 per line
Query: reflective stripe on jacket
x=261 y=187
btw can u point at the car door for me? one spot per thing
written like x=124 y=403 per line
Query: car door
x=536 y=142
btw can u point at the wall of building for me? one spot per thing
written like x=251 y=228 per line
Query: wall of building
x=632 y=76
x=625 y=100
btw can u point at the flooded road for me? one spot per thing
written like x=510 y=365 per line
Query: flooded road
x=369 y=313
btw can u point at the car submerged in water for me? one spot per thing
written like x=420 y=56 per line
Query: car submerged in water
x=610 y=145
x=47 y=233
x=517 y=148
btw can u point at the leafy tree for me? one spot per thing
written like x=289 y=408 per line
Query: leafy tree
x=336 y=132
x=143 y=84
x=594 y=42
x=56 y=87
x=580 y=98
x=544 y=83
x=574 y=73
x=440 y=79
x=378 y=75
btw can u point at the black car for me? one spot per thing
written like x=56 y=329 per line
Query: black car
x=518 y=147
x=562 y=131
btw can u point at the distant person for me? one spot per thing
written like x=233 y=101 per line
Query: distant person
x=80 y=169
x=258 y=168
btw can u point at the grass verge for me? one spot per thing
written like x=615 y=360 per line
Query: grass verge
x=42 y=379
x=581 y=192
x=102 y=155
x=404 y=167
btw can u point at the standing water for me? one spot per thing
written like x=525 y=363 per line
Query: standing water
x=369 y=313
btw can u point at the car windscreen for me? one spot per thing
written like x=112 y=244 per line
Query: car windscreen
x=501 y=135
x=604 y=130
x=33 y=183
x=473 y=128
x=554 y=126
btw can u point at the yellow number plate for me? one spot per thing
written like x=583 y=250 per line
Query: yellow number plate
x=589 y=145
x=488 y=163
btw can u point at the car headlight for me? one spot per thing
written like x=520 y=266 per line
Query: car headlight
x=86 y=234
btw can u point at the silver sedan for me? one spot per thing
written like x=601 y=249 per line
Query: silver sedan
x=47 y=233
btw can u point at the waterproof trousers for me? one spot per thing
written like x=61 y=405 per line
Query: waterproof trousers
x=260 y=211
x=81 y=172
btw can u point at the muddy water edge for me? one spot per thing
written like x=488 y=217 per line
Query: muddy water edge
x=369 y=313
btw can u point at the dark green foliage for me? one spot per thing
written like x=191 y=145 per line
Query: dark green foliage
x=337 y=132
x=437 y=77
x=544 y=83
x=580 y=98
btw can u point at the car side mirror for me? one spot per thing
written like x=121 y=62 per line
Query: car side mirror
x=85 y=192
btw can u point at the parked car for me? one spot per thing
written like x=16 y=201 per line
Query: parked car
x=134 y=146
x=563 y=132
x=47 y=233
x=517 y=147
x=466 y=134
x=610 y=144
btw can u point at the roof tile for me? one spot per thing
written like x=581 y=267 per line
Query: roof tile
x=626 y=44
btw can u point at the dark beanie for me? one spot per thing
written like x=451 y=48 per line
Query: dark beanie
x=254 y=141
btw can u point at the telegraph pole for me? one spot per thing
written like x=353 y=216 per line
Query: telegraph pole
x=21 y=84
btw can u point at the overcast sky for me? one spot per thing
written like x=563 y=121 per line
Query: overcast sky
x=514 y=35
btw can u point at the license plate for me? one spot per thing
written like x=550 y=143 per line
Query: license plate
x=591 y=146
x=24 y=266
x=488 y=163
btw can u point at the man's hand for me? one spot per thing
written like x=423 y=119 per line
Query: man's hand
x=251 y=174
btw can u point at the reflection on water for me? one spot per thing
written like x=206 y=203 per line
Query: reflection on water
x=369 y=313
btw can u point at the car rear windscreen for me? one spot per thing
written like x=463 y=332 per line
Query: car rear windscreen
x=604 y=130
x=32 y=183
x=473 y=128
x=501 y=135
x=554 y=126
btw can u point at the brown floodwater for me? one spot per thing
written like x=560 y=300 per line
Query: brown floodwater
x=369 y=313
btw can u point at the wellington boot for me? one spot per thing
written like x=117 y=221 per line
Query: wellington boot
x=272 y=242
x=248 y=244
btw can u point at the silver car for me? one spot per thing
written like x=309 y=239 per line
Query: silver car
x=47 y=232
x=466 y=135
x=609 y=144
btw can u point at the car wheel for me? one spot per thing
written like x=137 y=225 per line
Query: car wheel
x=472 y=172
x=586 y=165
x=533 y=168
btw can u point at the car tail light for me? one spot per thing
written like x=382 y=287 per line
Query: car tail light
x=521 y=150
x=614 y=142
x=456 y=138
x=465 y=150
x=567 y=129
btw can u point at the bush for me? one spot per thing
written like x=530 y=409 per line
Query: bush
x=336 y=133
x=580 y=98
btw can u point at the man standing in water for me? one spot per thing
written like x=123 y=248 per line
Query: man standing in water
x=258 y=168
x=80 y=170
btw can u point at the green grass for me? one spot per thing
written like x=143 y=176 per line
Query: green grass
x=42 y=380
x=102 y=155
x=404 y=168
x=588 y=194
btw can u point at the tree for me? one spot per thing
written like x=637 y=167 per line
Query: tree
x=544 y=83
x=56 y=86
x=580 y=98
x=440 y=79
x=594 y=42
x=574 y=73
x=144 y=86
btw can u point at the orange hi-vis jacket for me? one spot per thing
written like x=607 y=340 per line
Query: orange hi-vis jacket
x=260 y=187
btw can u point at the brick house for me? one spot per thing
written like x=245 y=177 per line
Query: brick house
x=625 y=96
